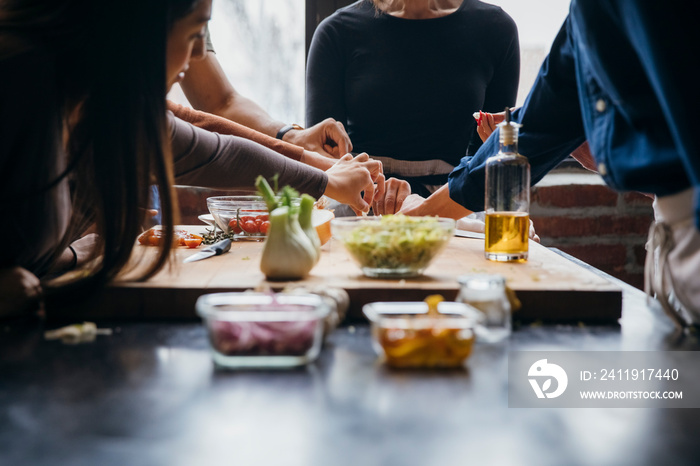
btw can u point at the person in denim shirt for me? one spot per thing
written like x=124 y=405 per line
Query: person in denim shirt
x=623 y=76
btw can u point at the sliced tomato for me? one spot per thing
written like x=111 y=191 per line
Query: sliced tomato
x=154 y=237
x=193 y=241
x=143 y=238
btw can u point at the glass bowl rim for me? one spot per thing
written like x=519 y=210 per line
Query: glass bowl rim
x=233 y=201
x=467 y=317
x=343 y=221
x=208 y=307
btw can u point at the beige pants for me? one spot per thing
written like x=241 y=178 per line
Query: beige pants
x=672 y=271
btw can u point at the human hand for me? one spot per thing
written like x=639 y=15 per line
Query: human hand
x=395 y=193
x=533 y=236
x=413 y=205
x=476 y=222
x=20 y=291
x=349 y=177
x=486 y=123
x=328 y=138
x=473 y=222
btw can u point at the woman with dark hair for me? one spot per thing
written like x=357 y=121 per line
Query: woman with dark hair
x=82 y=140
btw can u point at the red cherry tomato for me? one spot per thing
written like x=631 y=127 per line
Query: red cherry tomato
x=248 y=225
x=233 y=225
x=265 y=227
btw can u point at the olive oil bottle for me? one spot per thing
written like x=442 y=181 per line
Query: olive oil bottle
x=507 y=198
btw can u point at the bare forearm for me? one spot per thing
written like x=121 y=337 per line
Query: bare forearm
x=440 y=204
x=246 y=112
x=78 y=253
x=208 y=89
x=317 y=160
x=203 y=158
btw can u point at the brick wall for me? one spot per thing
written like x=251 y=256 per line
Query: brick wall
x=576 y=212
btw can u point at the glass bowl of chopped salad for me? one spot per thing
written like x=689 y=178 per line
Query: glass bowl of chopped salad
x=393 y=246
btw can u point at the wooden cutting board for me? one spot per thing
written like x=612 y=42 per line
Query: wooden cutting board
x=550 y=287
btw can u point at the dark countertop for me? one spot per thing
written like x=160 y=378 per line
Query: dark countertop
x=150 y=395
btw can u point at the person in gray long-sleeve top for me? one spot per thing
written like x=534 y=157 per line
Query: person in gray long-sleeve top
x=81 y=141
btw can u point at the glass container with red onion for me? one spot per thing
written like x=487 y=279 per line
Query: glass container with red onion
x=248 y=330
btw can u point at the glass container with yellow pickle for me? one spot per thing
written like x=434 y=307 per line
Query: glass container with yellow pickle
x=409 y=335
x=507 y=202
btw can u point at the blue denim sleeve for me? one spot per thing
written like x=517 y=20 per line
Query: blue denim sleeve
x=664 y=38
x=552 y=126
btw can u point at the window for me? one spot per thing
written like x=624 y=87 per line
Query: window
x=260 y=45
x=538 y=23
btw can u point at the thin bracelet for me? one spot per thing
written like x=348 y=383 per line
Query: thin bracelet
x=74 y=262
x=287 y=128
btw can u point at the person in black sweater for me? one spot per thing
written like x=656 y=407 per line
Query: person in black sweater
x=405 y=77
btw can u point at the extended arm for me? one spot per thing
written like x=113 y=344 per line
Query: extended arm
x=208 y=89
x=202 y=158
x=662 y=37
x=439 y=203
x=552 y=127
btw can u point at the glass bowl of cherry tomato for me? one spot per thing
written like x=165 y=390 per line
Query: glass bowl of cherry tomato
x=243 y=217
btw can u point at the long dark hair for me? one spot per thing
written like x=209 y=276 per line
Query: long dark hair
x=111 y=86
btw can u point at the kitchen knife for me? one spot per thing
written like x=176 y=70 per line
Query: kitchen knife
x=215 y=249
x=469 y=234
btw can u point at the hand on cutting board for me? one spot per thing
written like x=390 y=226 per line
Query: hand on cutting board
x=349 y=177
x=395 y=192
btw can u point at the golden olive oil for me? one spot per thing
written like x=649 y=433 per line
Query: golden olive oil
x=507 y=236
x=507 y=197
